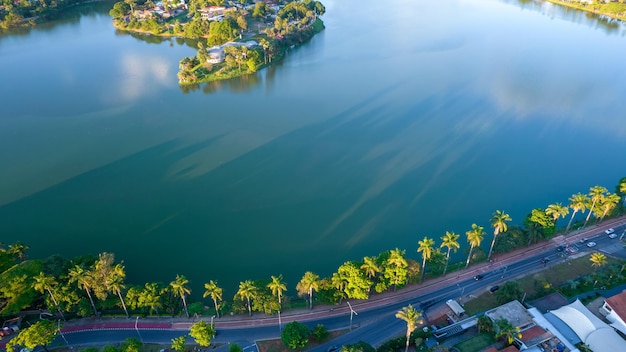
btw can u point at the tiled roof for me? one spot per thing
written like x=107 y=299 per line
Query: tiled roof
x=618 y=304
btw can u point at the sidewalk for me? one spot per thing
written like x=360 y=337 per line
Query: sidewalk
x=323 y=311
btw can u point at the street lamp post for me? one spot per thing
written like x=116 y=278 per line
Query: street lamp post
x=352 y=312
x=461 y=291
x=61 y=332
x=137 y=329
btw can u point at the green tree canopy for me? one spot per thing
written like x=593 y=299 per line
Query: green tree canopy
x=202 y=333
x=295 y=336
x=39 y=334
x=178 y=343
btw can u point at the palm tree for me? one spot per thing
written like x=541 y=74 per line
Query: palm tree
x=426 y=247
x=504 y=328
x=451 y=241
x=339 y=282
x=307 y=285
x=370 y=267
x=475 y=237
x=18 y=250
x=248 y=291
x=115 y=283
x=609 y=202
x=151 y=297
x=597 y=259
x=499 y=224
x=215 y=292
x=43 y=284
x=621 y=187
x=412 y=318
x=578 y=202
x=277 y=286
x=557 y=211
x=179 y=286
x=395 y=265
x=596 y=193
x=83 y=279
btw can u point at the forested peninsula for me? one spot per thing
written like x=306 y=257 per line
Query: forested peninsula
x=233 y=38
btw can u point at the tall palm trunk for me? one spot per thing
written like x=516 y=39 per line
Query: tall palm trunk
x=55 y=303
x=469 y=256
x=185 y=305
x=95 y=311
x=570 y=220
x=119 y=294
x=408 y=336
x=491 y=248
x=249 y=307
x=423 y=268
x=445 y=268
x=589 y=214
x=311 y=298
x=216 y=311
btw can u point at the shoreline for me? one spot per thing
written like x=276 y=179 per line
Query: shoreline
x=579 y=6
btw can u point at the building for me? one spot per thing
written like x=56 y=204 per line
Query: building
x=614 y=309
x=598 y=335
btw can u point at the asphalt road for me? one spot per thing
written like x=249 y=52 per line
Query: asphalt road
x=378 y=324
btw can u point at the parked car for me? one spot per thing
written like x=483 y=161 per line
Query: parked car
x=494 y=288
x=591 y=244
x=478 y=277
x=609 y=231
x=613 y=235
x=584 y=239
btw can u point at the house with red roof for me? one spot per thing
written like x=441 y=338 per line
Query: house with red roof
x=614 y=309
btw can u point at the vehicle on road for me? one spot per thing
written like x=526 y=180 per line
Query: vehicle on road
x=544 y=260
x=591 y=244
x=493 y=289
x=583 y=240
x=332 y=348
x=478 y=277
x=609 y=231
x=613 y=235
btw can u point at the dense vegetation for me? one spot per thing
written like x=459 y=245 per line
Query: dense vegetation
x=613 y=8
x=14 y=13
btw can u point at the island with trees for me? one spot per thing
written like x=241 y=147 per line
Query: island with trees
x=233 y=38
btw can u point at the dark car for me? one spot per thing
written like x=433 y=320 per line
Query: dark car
x=544 y=260
x=332 y=349
x=478 y=277
x=494 y=288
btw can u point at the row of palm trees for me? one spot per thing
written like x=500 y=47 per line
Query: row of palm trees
x=104 y=276
x=475 y=236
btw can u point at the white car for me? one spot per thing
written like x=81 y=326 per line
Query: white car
x=609 y=231
x=591 y=244
x=613 y=235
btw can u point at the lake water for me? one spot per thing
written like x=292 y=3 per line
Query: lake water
x=403 y=119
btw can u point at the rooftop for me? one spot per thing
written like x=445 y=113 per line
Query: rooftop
x=618 y=304
x=514 y=312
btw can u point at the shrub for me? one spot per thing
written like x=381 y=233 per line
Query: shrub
x=320 y=332
x=295 y=335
